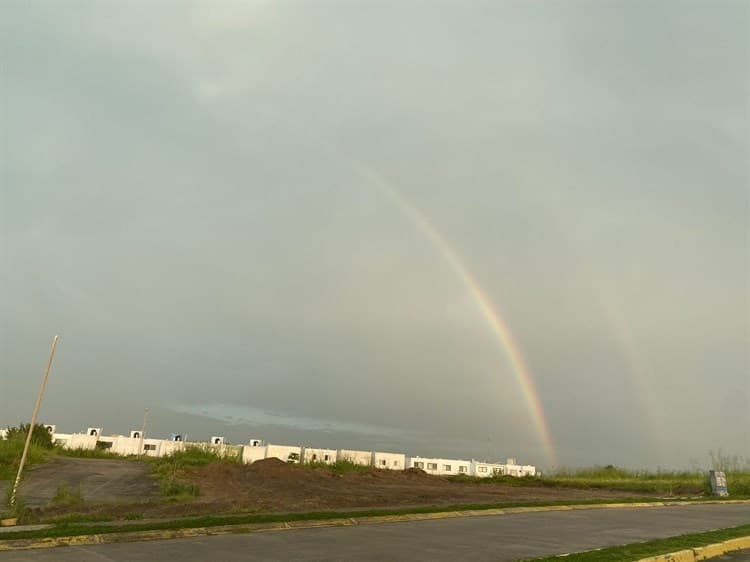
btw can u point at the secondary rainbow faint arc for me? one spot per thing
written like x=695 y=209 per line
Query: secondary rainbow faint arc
x=494 y=319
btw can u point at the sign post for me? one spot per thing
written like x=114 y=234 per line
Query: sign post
x=718 y=483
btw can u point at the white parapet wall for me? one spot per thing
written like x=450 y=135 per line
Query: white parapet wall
x=389 y=461
x=314 y=455
x=286 y=453
x=439 y=466
x=77 y=441
x=362 y=458
x=252 y=453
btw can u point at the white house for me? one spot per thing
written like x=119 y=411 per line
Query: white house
x=254 y=452
x=390 y=461
x=362 y=458
x=486 y=469
x=313 y=455
x=440 y=467
x=76 y=440
x=286 y=453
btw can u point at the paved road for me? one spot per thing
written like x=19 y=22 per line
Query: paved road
x=98 y=480
x=741 y=556
x=504 y=537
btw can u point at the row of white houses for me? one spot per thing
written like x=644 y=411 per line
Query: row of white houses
x=137 y=444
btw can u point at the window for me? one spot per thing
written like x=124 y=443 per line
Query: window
x=497 y=471
x=383 y=462
x=462 y=469
x=447 y=467
x=395 y=463
x=149 y=447
x=418 y=465
x=482 y=469
x=315 y=457
x=136 y=435
x=431 y=466
x=327 y=458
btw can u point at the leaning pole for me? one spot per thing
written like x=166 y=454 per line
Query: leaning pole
x=33 y=423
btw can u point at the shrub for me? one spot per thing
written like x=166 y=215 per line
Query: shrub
x=39 y=436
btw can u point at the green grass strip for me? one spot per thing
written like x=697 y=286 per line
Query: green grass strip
x=636 y=551
x=73 y=529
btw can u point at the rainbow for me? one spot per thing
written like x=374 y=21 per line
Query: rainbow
x=489 y=311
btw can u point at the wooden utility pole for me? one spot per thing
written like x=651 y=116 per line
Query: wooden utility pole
x=33 y=423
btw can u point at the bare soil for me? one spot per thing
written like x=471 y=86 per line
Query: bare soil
x=269 y=486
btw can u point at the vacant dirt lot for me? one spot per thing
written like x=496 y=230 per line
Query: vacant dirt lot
x=99 y=480
x=269 y=485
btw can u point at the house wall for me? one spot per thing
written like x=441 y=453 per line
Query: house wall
x=362 y=458
x=487 y=469
x=390 y=461
x=327 y=456
x=251 y=453
x=283 y=452
x=80 y=441
x=439 y=466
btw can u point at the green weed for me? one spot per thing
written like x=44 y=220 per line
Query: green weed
x=65 y=495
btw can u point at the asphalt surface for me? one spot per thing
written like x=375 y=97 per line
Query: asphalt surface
x=741 y=556
x=97 y=480
x=504 y=537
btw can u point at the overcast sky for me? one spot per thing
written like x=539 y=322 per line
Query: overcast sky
x=187 y=199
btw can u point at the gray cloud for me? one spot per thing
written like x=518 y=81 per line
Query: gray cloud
x=180 y=201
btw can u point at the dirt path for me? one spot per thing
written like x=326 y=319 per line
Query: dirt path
x=100 y=481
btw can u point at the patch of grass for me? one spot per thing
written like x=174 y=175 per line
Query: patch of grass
x=178 y=490
x=96 y=453
x=342 y=467
x=10 y=456
x=665 y=483
x=65 y=495
x=662 y=483
x=636 y=551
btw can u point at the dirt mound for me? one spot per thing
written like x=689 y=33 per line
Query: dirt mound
x=270 y=466
x=273 y=485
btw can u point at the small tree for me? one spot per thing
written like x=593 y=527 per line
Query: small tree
x=40 y=436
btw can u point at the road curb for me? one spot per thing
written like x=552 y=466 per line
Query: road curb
x=702 y=552
x=243 y=528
